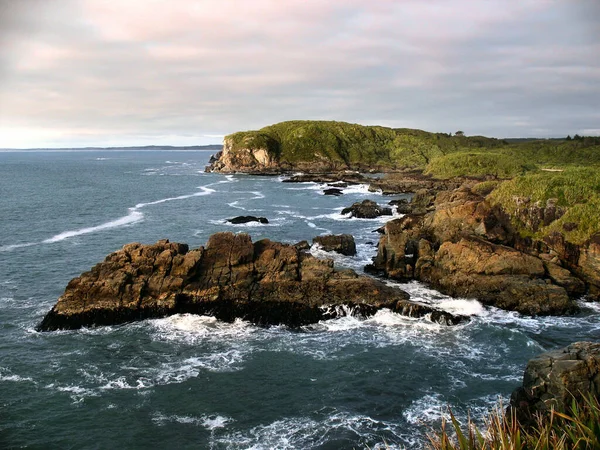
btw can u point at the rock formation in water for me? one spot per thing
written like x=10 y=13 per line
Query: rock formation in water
x=246 y=219
x=367 y=209
x=342 y=243
x=467 y=248
x=264 y=282
x=553 y=379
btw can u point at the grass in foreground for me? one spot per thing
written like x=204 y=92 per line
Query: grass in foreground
x=580 y=429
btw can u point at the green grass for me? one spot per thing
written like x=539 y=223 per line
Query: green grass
x=577 y=189
x=478 y=165
x=579 y=429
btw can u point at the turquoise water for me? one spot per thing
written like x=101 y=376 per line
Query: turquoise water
x=193 y=382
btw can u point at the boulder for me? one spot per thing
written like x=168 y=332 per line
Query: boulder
x=343 y=243
x=495 y=275
x=367 y=209
x=555 y=378
x=245 y=219
x=231 y=277
x=333 y=191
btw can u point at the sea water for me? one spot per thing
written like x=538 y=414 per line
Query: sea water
x=193 y=382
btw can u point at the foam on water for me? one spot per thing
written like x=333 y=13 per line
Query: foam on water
x=210 y=422
x=8 y=248
x=133 y=217
x=315 y=431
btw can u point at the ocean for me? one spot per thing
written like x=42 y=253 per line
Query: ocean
x=193 y=382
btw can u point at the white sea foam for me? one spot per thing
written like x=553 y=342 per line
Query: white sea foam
x=131 y=218
x=203 y=191
x=8 y=248
x=134 y=216
x=427 y=409
x=14 y=378
x=210 y=422
x=309 y=432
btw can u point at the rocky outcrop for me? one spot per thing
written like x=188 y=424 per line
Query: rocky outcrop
x=245 y=219
x=247 y=158
x=367 y=209
x=346 y=177
x=264 y=282
x=553 y=379
x=333 y=191
x=408 y=182
x=463 y=248
x=343 y=243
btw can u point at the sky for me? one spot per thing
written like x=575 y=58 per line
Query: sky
x=77 y=73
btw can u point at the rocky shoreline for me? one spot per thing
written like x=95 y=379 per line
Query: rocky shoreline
x=451 y=238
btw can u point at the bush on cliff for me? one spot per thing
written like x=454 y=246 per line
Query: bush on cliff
x=576 y=189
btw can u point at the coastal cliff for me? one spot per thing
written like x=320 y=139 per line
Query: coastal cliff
x=468 y=247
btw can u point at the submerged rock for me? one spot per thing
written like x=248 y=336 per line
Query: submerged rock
x=245 y=219
x=555 y=378
x=343 y=243
x=367 y=209
x=333 y=191
x=264 y=282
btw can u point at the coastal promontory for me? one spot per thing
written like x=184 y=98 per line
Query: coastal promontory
x=264 y=282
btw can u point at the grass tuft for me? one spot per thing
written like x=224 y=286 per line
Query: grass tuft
x=579 y=429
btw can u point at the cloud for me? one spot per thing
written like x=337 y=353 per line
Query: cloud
x=90 y=70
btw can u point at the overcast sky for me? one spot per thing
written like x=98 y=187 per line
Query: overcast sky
x=138 y=72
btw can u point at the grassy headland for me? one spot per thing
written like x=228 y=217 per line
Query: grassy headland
x=537 y=170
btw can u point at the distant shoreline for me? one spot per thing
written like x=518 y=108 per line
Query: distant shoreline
x=192 y=148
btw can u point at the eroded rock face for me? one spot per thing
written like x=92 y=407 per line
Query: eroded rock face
x=250 y=160
x=264 y=282
x=367 y=209
x=553 y=378
x=342 y=243
x=459 y=248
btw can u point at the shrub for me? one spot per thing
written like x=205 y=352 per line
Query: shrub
x=472 y=164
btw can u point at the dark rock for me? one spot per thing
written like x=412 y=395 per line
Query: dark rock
x=333 y=191
x=400 y=183
x=338 y=178
x=245 y=219
x=264 y=282
x=302 y=245
x=343 y=243
x=555 y=378
x=367 y=209
x=402 y=205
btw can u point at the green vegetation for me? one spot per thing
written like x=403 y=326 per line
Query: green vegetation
x=360 y=146
x=580 y=429
x=471 y=164
x=577 y=189
x=357 y=145
x=526 y=162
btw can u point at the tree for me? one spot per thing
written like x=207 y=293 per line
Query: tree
x=459 y=133
x=569 y=137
